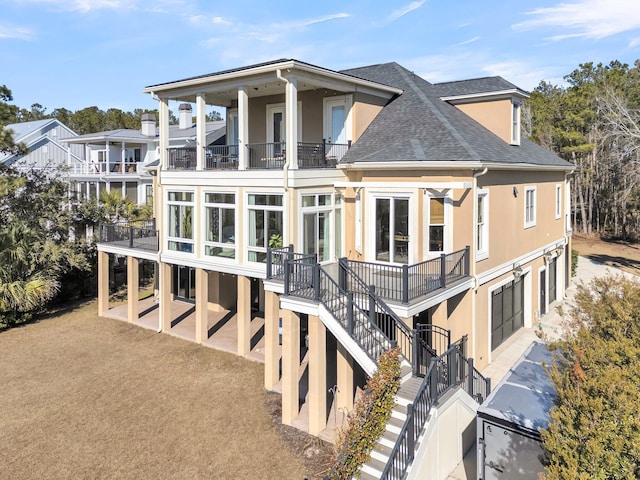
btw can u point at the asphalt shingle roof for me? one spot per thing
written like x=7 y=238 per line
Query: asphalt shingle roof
x=418 y=126
x=474 y=86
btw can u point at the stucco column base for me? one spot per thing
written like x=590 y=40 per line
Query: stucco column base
x=344 y=396
x=133 y=281
x=202 y=310
x=103 y=283
x=165 y=297
x=244 y=315
x=290 y=365
x=317 y=375
x=271 y=340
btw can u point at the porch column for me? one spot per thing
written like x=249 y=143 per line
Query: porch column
x=165 y=297
x=201 y=131
x=107 y=159
x=243 y=128
x=244 y=315
x=271 y=340
x=290 y=366
x=103 y=283
x=291 y=112
x=133 y=280
x=344 y=396
x=123 y=159
x=163 y=113
x=202 y=301
x=317 y=375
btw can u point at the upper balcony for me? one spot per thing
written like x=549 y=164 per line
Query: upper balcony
x=106 y=168
x=261 y=156
x=141 y=235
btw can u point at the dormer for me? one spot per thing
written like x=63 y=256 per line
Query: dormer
x=491 y=101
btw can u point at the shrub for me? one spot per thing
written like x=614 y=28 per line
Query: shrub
x=574 y=262
x=368 y=420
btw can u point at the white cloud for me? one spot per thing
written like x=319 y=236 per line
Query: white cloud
x=14 y=31
x=84 y=5
x=635 y=42
x=594 y=19
x=401 y=12
x=467 y=42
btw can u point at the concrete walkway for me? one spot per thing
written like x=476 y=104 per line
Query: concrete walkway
x=512 y=349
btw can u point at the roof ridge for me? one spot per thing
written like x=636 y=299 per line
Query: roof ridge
x=437 y=113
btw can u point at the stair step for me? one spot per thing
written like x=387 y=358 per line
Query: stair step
x=388 y=439
x=366 y=476
x=381 y=452
x=399 y=412
x=373 y=467
x=395 y=425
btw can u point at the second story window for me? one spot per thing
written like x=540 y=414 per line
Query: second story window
x=436 y=224
x=265 y=225
x=558 y=201
x=529 y=207
x=482 y=227
x=180 y=206
x=515 y=123
x=220 y=225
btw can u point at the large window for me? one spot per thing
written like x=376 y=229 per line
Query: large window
x=482 y=227
x=180 y=221
x=392 y=230
x=529 y=207
x=558 y=201
x=317 y=231
x=265 y=225
x=220 y=224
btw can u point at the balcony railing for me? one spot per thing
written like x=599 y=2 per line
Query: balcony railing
x=137 y=235
x=260 y=156
x=105 y=168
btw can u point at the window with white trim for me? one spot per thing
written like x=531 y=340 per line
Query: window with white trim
x=436 y=224
x=558 y=201
x=220 y=225
x=317 y=227
x=180 y=212
x=529 y=207
x=265 y=225
x=482 y=226
x=515 y=123
x=392 y=229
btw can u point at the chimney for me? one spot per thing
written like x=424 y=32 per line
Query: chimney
x=185 y=116
x=148 y=121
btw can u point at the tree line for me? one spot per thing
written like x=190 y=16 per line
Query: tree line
x=594 y=123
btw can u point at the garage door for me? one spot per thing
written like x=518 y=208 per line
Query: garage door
x=507 y=306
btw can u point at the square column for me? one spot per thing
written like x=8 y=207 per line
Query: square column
x=244 y=315
x=243 y=128
x=271 y=340
x=201 y=131
x=291 y=114
x=344 y=396
x=165 y=297
x=290 y=366
x=133 y=280
x=317 y=375
x=103 y=283
x=163 y=125
x=202 y=304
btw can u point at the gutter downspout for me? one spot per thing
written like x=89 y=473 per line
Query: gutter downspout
x=474 y=246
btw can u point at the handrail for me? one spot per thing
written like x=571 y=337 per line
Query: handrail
x=446 y=371
x=130 y=236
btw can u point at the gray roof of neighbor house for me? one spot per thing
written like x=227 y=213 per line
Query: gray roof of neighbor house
x=418 y=126
x=476 y=86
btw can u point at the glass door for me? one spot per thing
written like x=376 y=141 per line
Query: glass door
x=392 y=230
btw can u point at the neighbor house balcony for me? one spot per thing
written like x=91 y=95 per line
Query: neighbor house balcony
x=106 y=168
x=141 y=235
x=260 y=156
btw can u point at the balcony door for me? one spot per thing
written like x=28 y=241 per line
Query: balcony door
x=336 y=113
x=277 y=129
x=392 y=230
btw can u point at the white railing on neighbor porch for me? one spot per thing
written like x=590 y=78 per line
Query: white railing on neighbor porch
x=106 y=168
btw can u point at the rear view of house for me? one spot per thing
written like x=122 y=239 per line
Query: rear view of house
x=347 y=212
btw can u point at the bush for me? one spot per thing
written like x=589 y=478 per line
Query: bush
x=574 y=262
x=368 y=420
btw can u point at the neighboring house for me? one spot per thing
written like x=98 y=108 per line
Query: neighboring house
x=44 y=140
x=118 y=159
x=373 y=177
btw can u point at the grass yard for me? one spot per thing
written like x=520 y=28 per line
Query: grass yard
x=623 y=255
x=89 y=397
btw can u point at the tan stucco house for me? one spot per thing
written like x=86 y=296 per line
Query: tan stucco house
x=333 y=182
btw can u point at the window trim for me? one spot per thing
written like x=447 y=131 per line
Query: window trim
x=183 y=240
x=370 y=208
x=445 y=243
x=315 y=209
x=558 y=201
x=532 y=222
x=209 y=243
x=248 y=248
x=482 y=253
x=516 y=113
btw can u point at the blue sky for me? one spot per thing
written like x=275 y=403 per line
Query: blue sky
x=78 y=53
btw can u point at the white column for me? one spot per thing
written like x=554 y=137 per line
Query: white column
x=243 y=128
x=291 y=114
x=163 y=111
x=201 y=131
x=107 y=159
x=123 y=158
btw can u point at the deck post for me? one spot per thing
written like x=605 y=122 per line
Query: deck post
x=443 y=271
x=405 y=284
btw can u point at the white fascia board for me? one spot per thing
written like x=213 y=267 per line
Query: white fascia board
x=274 y=286
x=128 y=252
x=406 y=311
x=240 y=75
x=304 y=178
x=412 y=185
x=227 y=178
x=522 y=260
x=451 y=165
x=257 y=271
x=502 y=94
